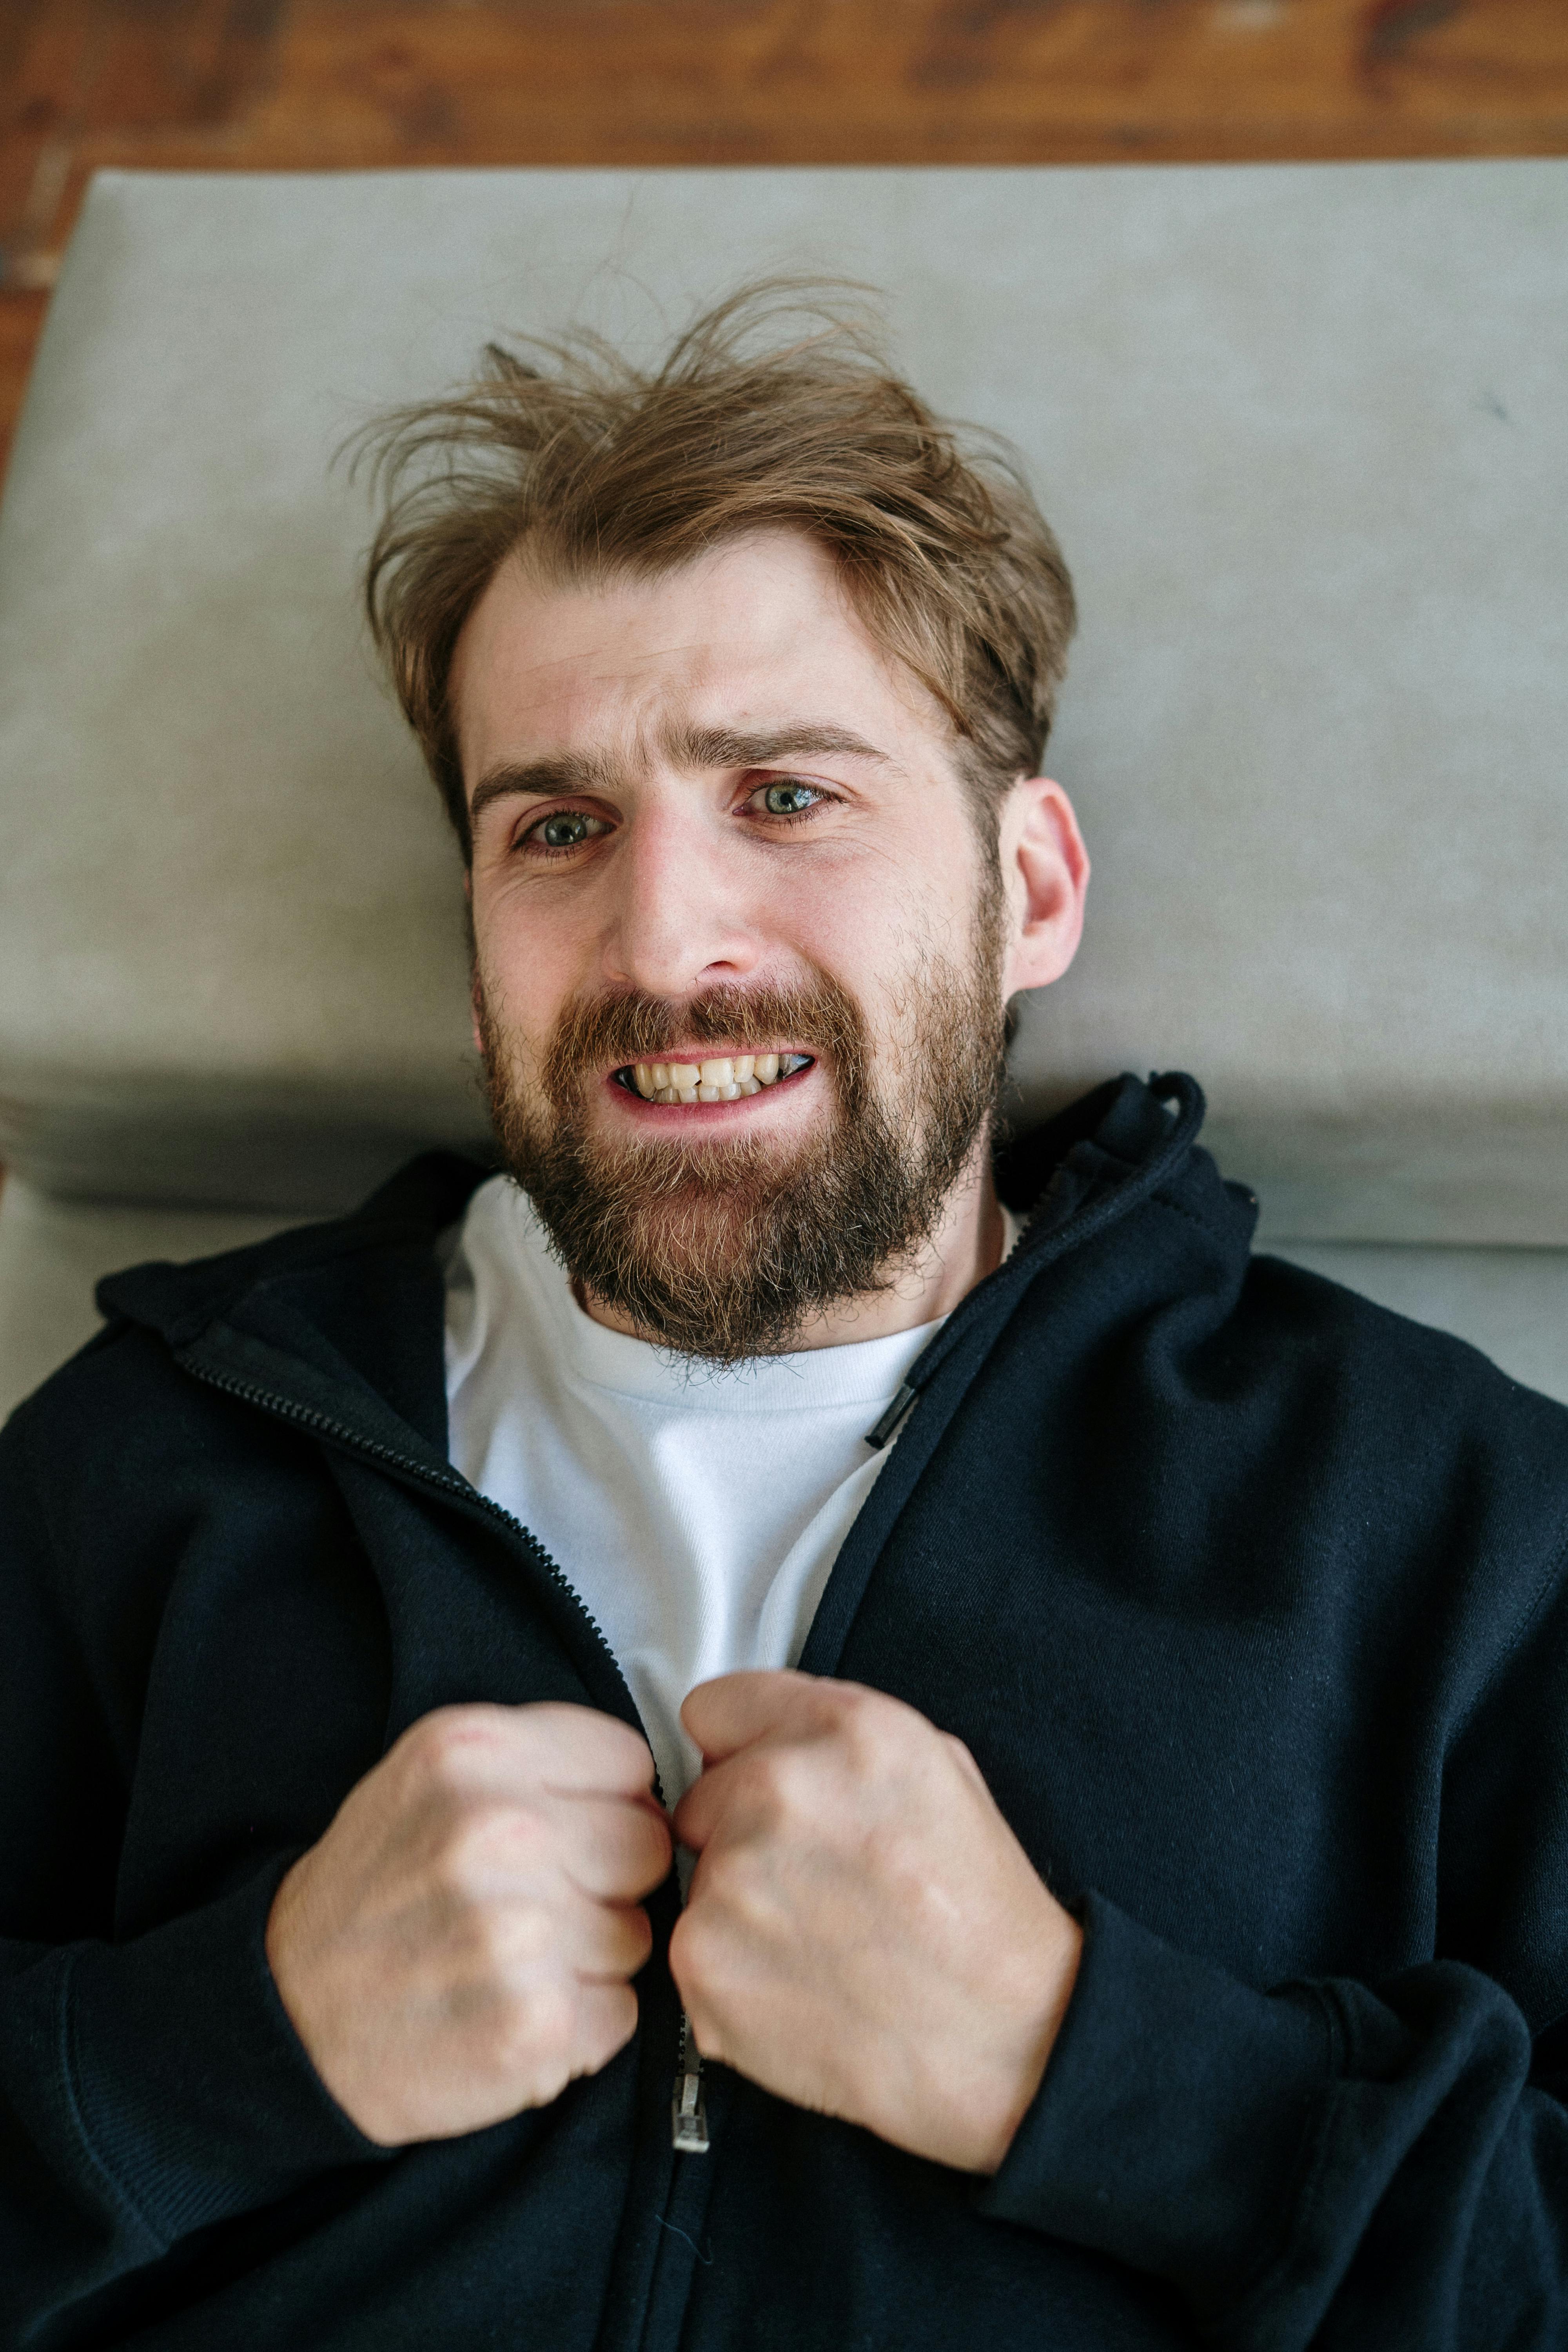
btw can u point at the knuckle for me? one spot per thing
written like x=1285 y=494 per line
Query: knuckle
x=636 y=1937
x=557 y=1724
x=536 y=2029
x=868 y=1726
x=440 y=1748
x=658 y=1838
x=697 y=1950
x=478 y=1844
x=458 y=1866
x=619 y=1739
x=526 y=1833
x=651 y=1866
x=545 y=1724
x=490 y=1947
x=782 y=1787
x=491 y=1943
x=686 y=1954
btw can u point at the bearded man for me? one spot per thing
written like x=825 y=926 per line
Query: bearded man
x=788 y=1723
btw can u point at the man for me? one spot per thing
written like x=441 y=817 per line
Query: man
x=1099 y=1694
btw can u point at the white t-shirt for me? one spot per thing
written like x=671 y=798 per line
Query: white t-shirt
x=696 y=1512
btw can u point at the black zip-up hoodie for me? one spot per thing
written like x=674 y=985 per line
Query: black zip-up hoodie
x=1249 y=1599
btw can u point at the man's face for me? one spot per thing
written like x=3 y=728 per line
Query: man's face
x=712 y=824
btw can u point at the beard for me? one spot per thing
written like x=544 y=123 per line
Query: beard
x=727 y=1250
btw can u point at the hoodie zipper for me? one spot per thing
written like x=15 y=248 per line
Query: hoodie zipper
x=688 y=2106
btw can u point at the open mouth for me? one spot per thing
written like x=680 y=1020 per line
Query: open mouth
x=724 y=1078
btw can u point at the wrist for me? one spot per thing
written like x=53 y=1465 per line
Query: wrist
x=1017 y=2084
x=278 y=1940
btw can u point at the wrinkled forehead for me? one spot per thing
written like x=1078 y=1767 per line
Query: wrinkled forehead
x=754 y=635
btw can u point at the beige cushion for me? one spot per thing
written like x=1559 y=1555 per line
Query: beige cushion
x=1302 y=431
x=53 y=1254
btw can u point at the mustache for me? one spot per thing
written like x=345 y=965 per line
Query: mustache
x=816 y=1016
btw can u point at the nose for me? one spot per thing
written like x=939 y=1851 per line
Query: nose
x=677 y=922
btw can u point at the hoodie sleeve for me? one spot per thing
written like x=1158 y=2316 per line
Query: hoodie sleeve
x=1335 y=2163
x=147 y=2086
x=1325 y=2165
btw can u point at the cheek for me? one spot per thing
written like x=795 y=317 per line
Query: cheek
x=526 y=979
x=851 y=919
x=877 y=923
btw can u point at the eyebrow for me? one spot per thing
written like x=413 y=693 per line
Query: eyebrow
x=726 y=747
x=555 y=772
x=689 y=747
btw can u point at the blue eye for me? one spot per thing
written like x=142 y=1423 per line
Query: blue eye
x=567 y=829
x=789 y=799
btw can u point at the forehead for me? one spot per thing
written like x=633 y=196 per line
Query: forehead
x=758 y=631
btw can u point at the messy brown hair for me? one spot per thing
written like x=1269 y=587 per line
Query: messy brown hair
x=778 y=408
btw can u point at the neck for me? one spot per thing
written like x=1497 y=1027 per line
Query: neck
x=964 y=1248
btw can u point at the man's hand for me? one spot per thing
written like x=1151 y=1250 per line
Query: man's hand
x=458 y=1945
x=864 y=1934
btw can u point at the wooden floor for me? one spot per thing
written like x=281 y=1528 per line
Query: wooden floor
x=329 y=84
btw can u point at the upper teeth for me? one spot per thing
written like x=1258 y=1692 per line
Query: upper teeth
x=723 y=1079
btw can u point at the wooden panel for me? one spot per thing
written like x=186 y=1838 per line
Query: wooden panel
x=322 y=84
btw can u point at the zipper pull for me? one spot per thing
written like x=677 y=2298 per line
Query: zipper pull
x=689 y=2108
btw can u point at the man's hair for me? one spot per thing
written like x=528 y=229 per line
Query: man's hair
x=778 y=408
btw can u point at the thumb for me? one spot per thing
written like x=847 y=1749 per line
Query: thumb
x=734 y=1711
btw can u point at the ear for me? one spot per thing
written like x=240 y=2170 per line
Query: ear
x=1045 y=873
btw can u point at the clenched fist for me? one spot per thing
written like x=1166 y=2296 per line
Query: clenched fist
x=863 y=1935
x=459 y=1944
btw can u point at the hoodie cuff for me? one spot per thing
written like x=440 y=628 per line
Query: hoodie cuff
x=1173 y=2122
x=189 y=2085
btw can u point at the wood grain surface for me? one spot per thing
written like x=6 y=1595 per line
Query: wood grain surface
x=334 y=84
